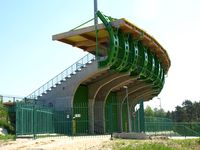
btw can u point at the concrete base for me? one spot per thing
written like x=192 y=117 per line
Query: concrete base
x=131 y=135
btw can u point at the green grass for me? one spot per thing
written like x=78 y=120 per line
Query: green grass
x=7 y=137
x=167 y=144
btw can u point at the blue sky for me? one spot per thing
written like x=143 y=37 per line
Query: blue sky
x=29 y=57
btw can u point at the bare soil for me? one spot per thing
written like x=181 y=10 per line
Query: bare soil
x=57 y=143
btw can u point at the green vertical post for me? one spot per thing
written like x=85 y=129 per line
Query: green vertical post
x=138 y=120
x=111 y=114
x=22 y=122
x=141 y=112
x=111 y=119
x=72 y=120
x=34 y=136
x=17 y=119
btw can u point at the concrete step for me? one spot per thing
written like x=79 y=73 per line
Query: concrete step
x=131 y=135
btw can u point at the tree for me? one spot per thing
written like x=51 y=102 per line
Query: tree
x=188 y=107
x=196 y=110
x=188 y=112
x=3 y=112
x=169 y=115
x=159 y=112
x=155 y=112
x=180 y=114
x=148 y=112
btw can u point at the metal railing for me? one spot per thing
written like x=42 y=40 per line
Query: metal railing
x=167 y=127
x=62 y=76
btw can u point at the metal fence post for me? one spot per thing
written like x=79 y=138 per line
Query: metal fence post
x=138 y=112
x=141 y=112
x=34 y=136
x=111 y=115
x=17 y=122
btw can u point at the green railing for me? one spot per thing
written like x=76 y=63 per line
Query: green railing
x=62 y=76
x=187 y=128
x=35 y=120
x=38 y=120
x=165 y=126
x=158 y=126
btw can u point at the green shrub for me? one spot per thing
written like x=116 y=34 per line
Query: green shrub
x=198 y=141
x=7 y=126
x=4 y=119
x=7 y=137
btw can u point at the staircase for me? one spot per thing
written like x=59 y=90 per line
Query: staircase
x=58 y=92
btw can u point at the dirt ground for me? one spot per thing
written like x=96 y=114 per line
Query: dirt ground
x=100 y=143
x=57 y=143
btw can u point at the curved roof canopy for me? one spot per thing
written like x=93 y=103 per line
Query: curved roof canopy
x=85 y=38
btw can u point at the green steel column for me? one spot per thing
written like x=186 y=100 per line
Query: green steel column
x=141 y=112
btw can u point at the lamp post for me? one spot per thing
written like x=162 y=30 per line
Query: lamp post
x=160 y=102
